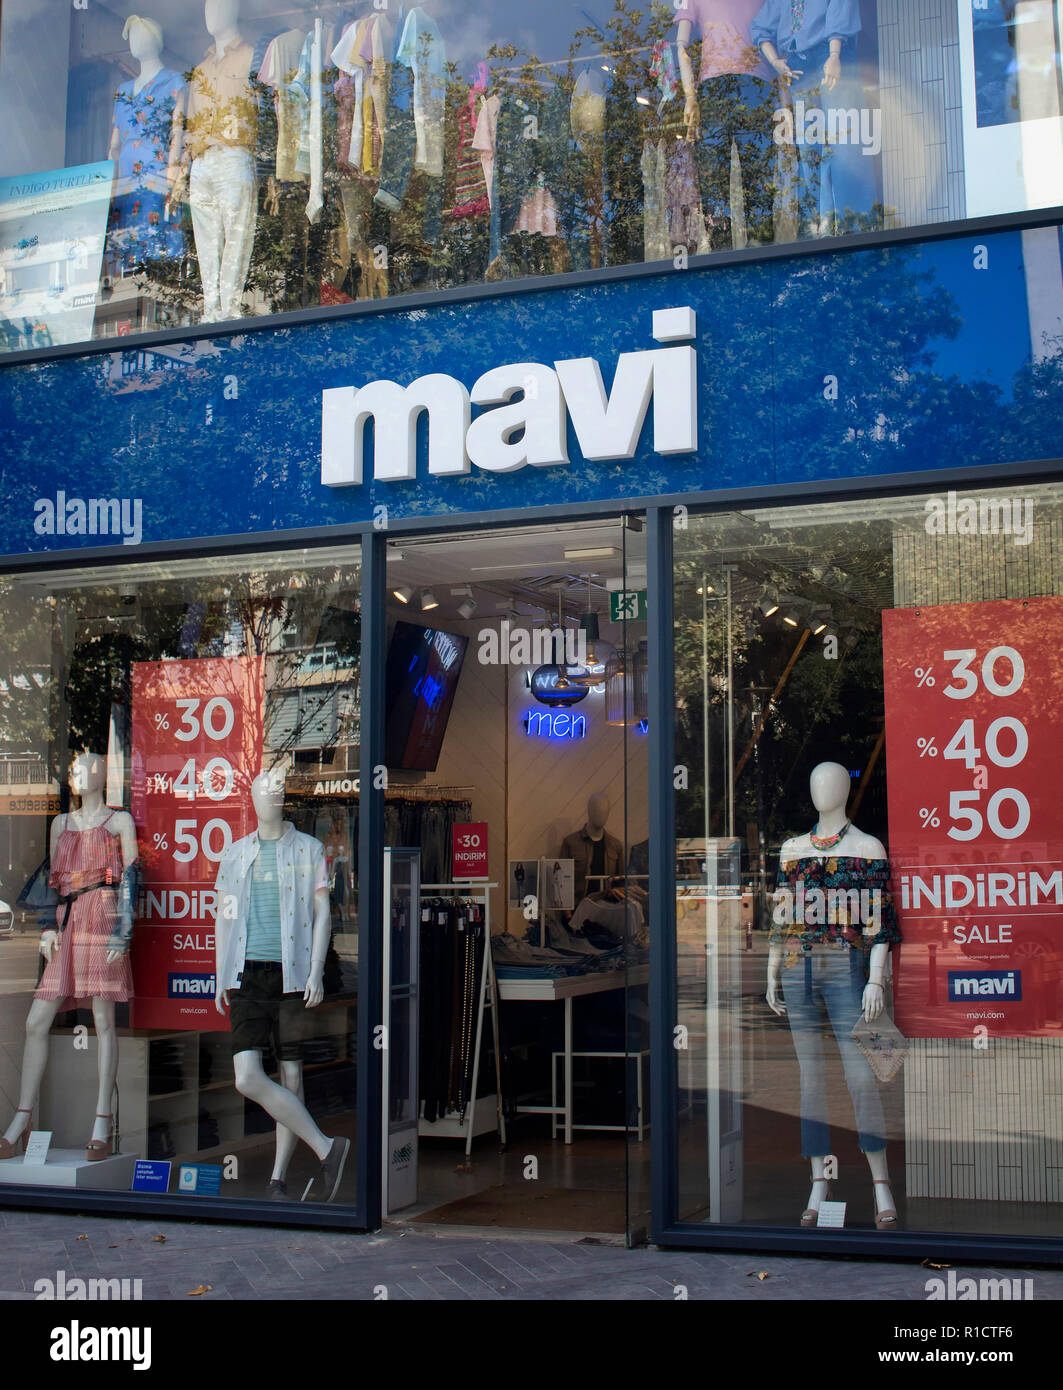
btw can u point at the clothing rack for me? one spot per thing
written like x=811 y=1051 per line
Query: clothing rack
x=453 y=1126
x=427 y=793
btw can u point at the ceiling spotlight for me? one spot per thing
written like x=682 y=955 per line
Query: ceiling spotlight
x=818 y=620
x=790 y=618
x=428 y=600
x=404 y=594
x=467 y=607
x=768 y=606
x=705 y=589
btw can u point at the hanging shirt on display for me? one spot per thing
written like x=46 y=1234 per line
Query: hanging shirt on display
x=300 y=873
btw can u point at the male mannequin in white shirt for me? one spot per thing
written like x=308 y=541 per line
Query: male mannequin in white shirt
x=270 y=947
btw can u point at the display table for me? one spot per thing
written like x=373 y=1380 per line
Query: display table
x=70 y=1168
x=568 y=988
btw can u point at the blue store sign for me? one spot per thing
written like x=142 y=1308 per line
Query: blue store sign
x=851 y=364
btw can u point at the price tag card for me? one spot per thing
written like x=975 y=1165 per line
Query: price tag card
x=831 y=1216
x=37 y=1148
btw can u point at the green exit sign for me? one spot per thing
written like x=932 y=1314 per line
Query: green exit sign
x=627 y=604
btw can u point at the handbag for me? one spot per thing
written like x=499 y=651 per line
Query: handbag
x=883 y=1044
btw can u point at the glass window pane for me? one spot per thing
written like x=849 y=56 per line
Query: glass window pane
x=202 y=162
x=867 y=859
x=174 y=876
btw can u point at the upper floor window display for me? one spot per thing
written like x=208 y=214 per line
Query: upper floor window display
x=199 y=162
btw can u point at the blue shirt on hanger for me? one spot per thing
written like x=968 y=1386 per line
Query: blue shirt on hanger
x=795 y=26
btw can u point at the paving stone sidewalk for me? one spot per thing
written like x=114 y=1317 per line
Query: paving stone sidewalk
x=257 y=1262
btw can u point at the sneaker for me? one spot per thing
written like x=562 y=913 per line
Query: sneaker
x=277 y=1191
x=327 y=1182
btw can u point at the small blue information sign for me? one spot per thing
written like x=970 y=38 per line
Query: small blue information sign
x=204 y=1179
x=151 y=1175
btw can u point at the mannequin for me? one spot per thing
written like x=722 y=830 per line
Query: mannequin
x=94 y=868
x=217 y=172
x=145 y=144
x=272 y=901
x=594 y=852
x=807 y=56
x=814 y=962
x=732 y=100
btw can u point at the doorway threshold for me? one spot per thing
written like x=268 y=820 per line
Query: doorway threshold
x=397 y=1226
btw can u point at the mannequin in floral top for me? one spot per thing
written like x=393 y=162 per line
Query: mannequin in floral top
x=825 y=952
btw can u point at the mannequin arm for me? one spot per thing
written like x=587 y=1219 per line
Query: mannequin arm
x=50 y=938
x=691 y=111
x=314 y=992
x=122 y=936
x=874 y=998
x=832 y=68
x=781 y=66
x=774 y=993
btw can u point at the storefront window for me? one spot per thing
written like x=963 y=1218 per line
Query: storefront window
x=201 y=162
x=179 y=984
x=868 y=864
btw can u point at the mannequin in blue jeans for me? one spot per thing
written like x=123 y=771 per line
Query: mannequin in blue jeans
x=822 y=969
x=809 y=45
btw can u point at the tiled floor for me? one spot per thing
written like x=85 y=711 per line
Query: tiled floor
x=245 y=1262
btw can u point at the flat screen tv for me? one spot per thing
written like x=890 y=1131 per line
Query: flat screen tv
x=423 y=667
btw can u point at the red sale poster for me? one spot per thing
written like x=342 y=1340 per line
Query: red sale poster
x=469 y=851
x=197 y=744
x=974 y=761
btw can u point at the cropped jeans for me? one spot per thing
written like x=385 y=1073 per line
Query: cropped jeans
x=827 y=984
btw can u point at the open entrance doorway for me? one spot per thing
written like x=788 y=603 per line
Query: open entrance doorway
x=517 y=821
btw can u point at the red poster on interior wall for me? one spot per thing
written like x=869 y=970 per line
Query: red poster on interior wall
x=974 y=755
x=197 y=744
x=469 y=851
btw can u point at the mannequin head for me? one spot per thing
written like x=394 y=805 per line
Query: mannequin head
x=221 y=17
x=88 y=773
x=267 y=794
x=145 y=38
x=597 y=811
x=829 y=787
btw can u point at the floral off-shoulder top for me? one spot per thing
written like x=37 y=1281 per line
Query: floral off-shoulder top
x=839 y=901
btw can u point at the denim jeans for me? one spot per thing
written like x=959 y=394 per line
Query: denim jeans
x=829 y=180
x=829 y=983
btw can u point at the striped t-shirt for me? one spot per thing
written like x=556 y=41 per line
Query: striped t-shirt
x=264 y=910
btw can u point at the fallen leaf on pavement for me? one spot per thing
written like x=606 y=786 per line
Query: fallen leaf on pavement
x=203 y=1288
x=760 y=1274
x=160 y=1239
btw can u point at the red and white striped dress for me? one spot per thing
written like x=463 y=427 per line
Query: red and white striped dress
x=79 y=969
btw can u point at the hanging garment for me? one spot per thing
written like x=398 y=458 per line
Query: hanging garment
x=86 y=870
x=657 y=245
x=138 y=228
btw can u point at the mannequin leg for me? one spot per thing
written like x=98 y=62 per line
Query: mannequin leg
x=880 y=1173
x=107 y=1056
x=291 y=1080
x=287 y=1109
x=34 y=1059
x=820 y=1184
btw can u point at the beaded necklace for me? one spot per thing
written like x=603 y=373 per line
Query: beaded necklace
x=830 y=840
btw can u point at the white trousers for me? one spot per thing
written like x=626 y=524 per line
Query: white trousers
x=222 y=195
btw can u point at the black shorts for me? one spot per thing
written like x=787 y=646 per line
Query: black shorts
x=262 y=1016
